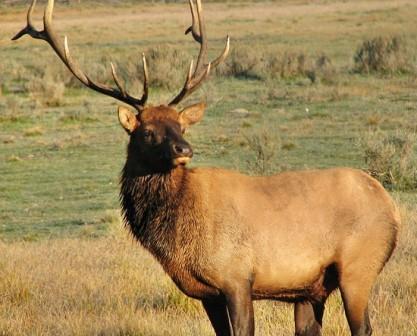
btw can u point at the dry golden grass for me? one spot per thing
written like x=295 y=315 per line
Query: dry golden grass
x=110 y=286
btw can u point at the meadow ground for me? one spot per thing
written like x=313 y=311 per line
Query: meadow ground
x=295 y=99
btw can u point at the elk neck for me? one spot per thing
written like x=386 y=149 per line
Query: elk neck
x=152 y=205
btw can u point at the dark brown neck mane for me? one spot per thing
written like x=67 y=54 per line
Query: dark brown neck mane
x=150 y=205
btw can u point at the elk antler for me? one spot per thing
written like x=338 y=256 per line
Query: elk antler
x=49 y=35
x=195 y=78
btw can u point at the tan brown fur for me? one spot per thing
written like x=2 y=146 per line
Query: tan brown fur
x=152 y=113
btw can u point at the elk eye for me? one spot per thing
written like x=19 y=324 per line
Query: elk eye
x=147 y=134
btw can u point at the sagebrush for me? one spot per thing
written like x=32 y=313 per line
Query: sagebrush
x=264 y=149
x=392 y=158
x=383 y=54
x=255 y=62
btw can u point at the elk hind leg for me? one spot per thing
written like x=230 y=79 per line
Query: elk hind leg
x=308 y=318
x=355 y=294
x=308 y=314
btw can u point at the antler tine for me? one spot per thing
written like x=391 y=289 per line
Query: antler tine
x=199 y=36
x=117 y=80
x=186 y=86
x=30 y=29
x=223 y=55
x=190 y=71
x=202 y=70
x=68 y=61
x=49 y=35
x=191 y=84
x=30 y=12
x=203 y=44
x=145 y=79
x=193 y=27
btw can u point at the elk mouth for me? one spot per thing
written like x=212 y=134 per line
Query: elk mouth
x=181 y=161
x=181 y=153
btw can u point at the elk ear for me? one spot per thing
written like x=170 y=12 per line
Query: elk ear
x=192 y=114
x=127 y=119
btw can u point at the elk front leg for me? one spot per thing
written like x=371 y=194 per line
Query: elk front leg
x=240 y=308
x=216 y=310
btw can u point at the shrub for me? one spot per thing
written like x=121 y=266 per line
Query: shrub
x=383 y=55
x=323 y=70
x=244 y=62
x=55 y=71
x=12 y=105
x=288 y=65
x=46 y=90
x=58 y=72
x=265 y=147
x=34 y=131
x=257 y=63
x=392 y=159
x=2 y=71
x=167 y=66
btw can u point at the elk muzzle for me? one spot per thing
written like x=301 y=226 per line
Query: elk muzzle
x=181 y=153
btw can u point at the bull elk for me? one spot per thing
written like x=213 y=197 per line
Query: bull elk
x=228 y=239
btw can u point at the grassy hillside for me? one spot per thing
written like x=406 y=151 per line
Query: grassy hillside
x=291 y=96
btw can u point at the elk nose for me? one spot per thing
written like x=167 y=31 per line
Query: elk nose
x=182 y=149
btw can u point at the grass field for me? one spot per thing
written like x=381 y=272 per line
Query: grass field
x=67 y=268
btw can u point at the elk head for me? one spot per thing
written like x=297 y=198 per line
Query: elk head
x=156 y=132
x=156 y=137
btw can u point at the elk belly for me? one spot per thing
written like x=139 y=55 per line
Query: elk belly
x=286 y=274
x=284 y=267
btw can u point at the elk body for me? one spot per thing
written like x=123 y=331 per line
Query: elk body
x=228 y=239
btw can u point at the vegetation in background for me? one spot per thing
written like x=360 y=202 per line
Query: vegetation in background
x=258 y=62
x=12 y=3
x=168 y=65
x=46 y=91
x=392 y=158
x=264 y=147
x=383 y=54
